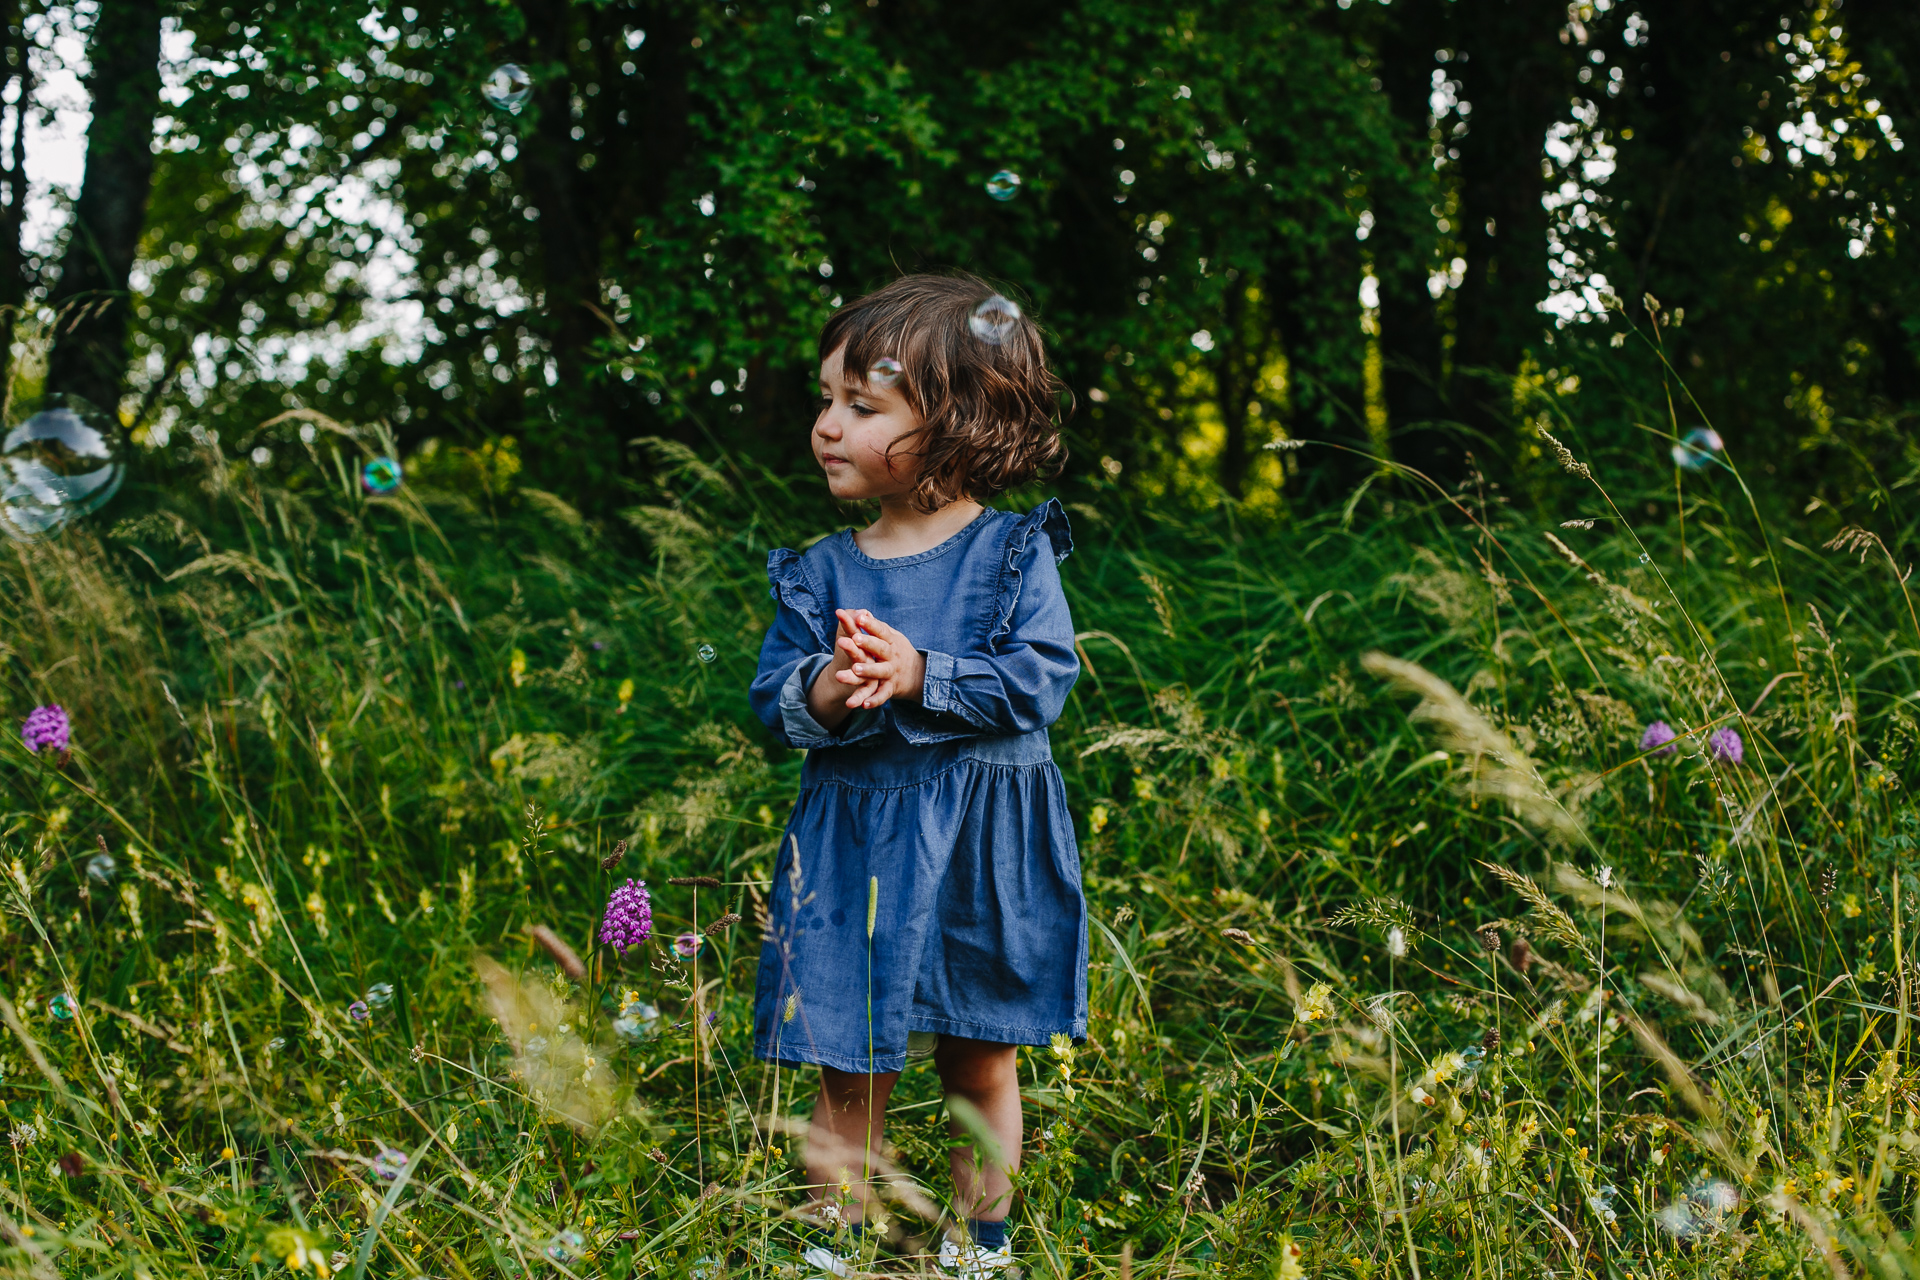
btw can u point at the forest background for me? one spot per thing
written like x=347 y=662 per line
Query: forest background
x=1395 y=225
x=1380 y=323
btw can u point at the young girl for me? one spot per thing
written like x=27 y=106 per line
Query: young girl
x=928 y=884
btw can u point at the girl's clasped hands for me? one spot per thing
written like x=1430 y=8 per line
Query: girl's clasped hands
x=876 y=658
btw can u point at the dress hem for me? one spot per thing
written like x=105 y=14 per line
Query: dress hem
x=788 y=1055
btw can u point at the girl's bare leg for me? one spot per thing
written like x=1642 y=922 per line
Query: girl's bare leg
x=988 y=1076
x=847 y=1123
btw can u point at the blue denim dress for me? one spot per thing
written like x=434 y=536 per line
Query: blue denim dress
x=949 y=811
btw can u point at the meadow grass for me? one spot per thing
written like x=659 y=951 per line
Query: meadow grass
x=1407 y=959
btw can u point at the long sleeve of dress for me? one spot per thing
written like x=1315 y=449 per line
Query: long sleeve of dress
x=797 y=647
x=1019 y=682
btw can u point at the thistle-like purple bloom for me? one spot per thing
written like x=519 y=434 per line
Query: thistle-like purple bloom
x=46 y=727
x=629 y=918
x=1658 y=738
x=1724 y=746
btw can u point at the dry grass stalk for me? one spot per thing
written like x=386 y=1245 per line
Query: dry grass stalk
x=1549 y=919
x=563 y=955
x=1497 y=769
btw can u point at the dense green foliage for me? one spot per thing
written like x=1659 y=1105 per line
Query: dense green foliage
x=1238 y=221
x=1410 y=956
x=335 y=741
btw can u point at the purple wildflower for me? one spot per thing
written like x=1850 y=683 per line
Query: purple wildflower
x=629 y=918
x=1658 y=738
x=46 y=727
x=1724 y=746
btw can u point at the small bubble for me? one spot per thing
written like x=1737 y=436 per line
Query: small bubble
x=101 y=868
x=359 y=1012
x=380 y=475
x=565 y=1245
x=507 y=86
x=380 y=994
x=1697 y=449
x=59 y=464
x=1645 y=558
x=636 y=1021
x=886 y=373
x=707 y=653
x=689 y=945
x=995 y=320
x=537 y=1045
x=1004 y=185
x=62 y=1007
x=276 y=1044
x=389 y=1164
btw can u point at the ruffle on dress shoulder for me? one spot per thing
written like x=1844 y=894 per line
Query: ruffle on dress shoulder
x=791 y=586
x=1049 y=518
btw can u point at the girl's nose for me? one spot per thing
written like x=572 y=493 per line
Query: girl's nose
x=825 y=427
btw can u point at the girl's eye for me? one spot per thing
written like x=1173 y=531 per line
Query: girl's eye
x=864 y=410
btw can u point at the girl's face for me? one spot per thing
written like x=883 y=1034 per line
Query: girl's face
x=858 y=422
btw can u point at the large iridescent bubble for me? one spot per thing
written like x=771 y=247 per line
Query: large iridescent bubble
x=1698 y=449
x=996 y=320
x=60 y=463
x=507 y=86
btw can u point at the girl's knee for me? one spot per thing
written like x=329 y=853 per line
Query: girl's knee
x=975 y=1066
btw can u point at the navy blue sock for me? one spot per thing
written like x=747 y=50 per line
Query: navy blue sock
x=988 y=1235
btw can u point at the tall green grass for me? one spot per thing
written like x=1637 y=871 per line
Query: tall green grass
x=1481 y=990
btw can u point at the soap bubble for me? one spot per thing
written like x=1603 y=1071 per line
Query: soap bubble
x=62 y=1007
x=359 y=1012
x=380 y=475
x=1697 y=448
x=886 y=373
x=59 y=464
x=995 y=320
x=389 y=1164
x=537 y=1045
x=707 y=653
x=101 y=868
x=1471 y=1060
x=1004 y=185
x=565 y=1246
x=380 y=994
x=689 y=945
x=276 y=1044
x=637 y=1021
x=507 y=86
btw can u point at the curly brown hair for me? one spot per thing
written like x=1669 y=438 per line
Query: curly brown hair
x=974 y=368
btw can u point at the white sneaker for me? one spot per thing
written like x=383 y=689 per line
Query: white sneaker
x=971 y=1262
x=827 y=1262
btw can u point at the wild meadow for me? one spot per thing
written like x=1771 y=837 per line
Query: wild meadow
x=1415 y=952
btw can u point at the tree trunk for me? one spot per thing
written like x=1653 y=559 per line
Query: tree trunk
x=1518 y=78
x=1402 y=240
x=89 y=357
